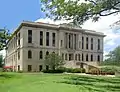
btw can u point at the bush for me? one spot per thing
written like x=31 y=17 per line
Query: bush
x=53 y=71
x=75 y=70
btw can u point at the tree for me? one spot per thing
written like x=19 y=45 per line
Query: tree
x=54 y=61
x=4 y=36
x=1 y=60
x=113 y=57
x=79 y=11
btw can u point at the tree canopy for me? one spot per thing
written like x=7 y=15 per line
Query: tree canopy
x=113 y=57
x=4 y=36
x=80 y=11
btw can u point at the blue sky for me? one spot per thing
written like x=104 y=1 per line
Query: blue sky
x=12 y=12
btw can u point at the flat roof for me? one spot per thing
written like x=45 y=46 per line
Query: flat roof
x=56 y=27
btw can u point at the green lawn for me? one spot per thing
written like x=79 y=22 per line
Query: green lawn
x=36 y=82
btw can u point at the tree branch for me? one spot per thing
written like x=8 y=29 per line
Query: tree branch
x=108 y=13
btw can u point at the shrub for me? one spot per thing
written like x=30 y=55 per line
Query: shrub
x=54 y=71
x=75 y=70
x=78 y=70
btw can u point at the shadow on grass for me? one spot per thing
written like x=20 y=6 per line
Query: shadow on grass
x=95 y=84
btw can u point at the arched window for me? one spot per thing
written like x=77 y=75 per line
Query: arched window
x=47 y=53
x=29 y=54
x=41 y=54
x=76 y=57
x=98 y=58
x=79 y=57
x=87 y=57
x=82 y=57
x=65 y=56
x=91 y=57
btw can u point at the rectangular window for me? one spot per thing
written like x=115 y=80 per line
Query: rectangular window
x=75 y=42
x=91 y=43
x=61 y=43
x=87 y=43
x=18 y=67
x=82 y=57
x=29 y=68
x=98 y=44
x=53 y=41
x=41 y=55
x=41 y=38
x=19 y=39
x=66 y=40
x=29 y=36
x=40 y=67
x=82 y=42
x=18 y=55
x=47 y=38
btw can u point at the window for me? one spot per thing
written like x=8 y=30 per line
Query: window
x=87 y=57
x=87 y=43
x=29 y=54
x=29 y=36
x=91 y=43
x=82 y=42
x=18 y=55
x=61 y=43
x=79 y=44
x=29 y=68
x=82 y=57
x=47 y=53
x=66 y=40
x=53 y=41
x=69 y=40
x=47 y=38
x=98 y=44
x=98 y=58
x=71 y=57
x=18 y=67
x=40 y=67
x=47 y=67
x=79 y=57
x=65 y=56
x=75 y=41
x=19 y=39
x=41 y=37
x=76 y=57
x=91 y=57
x=41 y=55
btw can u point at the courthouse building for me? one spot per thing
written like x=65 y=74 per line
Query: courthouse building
x=32 y=41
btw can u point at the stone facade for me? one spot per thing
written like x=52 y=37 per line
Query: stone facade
x=31 y=42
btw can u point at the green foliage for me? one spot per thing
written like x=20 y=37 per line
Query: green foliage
x=4 y=36
x=1 y=60
x=113 y=58
x=78 y=11
x=54 y=61
x=75 y=70
x=54 y=71
x=110 y=69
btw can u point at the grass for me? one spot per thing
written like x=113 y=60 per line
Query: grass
x=37 y=82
